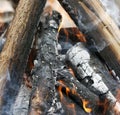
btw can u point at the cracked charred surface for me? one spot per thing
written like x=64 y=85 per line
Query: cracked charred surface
x=89 y=71
x=43 y=92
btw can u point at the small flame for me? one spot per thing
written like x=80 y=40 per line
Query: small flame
x=73 y=92
x=85 y=103
x=60 y=27
x=70 y=106
x=60 y=92
x=67 y=90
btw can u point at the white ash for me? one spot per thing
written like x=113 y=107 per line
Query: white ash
x=81 y=59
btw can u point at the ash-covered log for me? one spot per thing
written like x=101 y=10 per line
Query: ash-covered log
x=43 y=93
x=13 y=57
x=88 y=72
x=101 y=32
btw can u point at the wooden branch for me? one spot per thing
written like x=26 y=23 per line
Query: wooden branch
x=13 y=57
x=99 y=29
x=43 y=92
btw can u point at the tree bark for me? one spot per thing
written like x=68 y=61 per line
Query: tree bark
x=100 y=30
x=13 y=57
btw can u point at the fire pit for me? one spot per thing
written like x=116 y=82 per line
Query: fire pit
x=48 y=67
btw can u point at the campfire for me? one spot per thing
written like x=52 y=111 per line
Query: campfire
x=59 y=57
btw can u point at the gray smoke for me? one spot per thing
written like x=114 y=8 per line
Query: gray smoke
x=112 y=9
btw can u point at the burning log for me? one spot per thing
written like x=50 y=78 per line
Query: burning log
x=82 y=62
x=15 y=52
x=76 y=91
x=99 y=29
x=43 y=92
x=45 y=98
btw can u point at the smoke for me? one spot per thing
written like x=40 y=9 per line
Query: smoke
x=112 y=9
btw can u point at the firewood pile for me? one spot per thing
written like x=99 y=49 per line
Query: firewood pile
x=48 y=69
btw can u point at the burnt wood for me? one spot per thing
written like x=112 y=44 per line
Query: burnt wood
x=75 y=90
x=43 y=93
x=101 y=32
x=90 y=72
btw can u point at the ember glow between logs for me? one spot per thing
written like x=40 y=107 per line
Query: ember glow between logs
x=62 y=88
x=70 y=106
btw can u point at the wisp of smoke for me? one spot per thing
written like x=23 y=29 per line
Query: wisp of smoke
x=112 y=9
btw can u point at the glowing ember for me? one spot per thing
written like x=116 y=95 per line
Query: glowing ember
x=60 y=27
x=70 y=106
x=85 y=103
x=69 y=92
x=79 y=35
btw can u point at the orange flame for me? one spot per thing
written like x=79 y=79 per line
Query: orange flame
x=60 y=26
x=70 y=106
x=85 y=103
x=73 y=91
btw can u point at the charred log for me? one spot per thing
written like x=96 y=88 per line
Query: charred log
x=75 y=90
x=43 y=92
x=99 y=29
x=13 y=57
x=88 y=73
